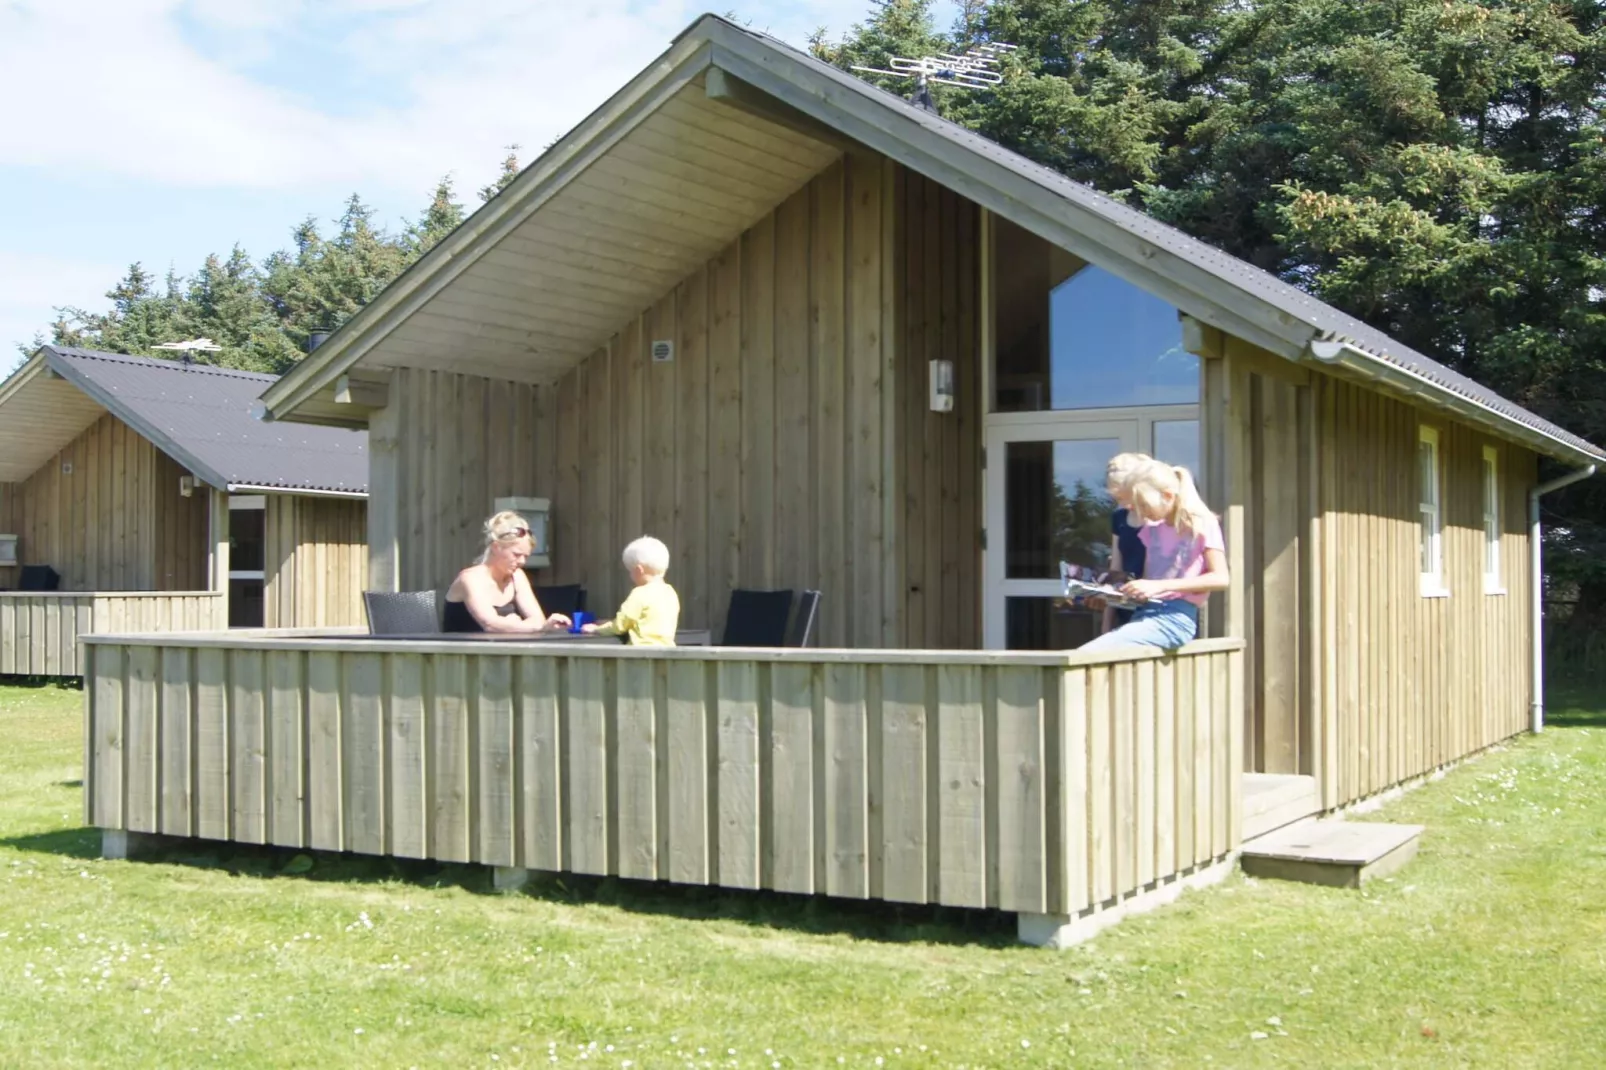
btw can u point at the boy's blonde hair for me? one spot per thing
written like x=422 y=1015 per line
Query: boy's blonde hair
x=648 y=552
x=1120 y=469
x=1150 y=482
x=505 y=526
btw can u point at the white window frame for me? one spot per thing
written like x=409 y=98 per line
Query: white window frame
x=1430 y=514
x=1492 y=575
x=240 y=503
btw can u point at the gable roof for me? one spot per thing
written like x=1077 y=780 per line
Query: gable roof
x=801 y=93
x=198 y=414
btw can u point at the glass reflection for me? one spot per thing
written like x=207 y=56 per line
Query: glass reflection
x=1056 y=507
x=1177 y=442
x=1042 y=624
x=1069 y=335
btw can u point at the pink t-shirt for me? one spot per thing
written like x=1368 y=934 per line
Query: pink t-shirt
x=1175 y=556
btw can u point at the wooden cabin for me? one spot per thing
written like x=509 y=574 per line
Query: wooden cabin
x=158 y=503
x=814 y=336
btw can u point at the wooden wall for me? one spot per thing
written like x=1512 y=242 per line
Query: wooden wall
x=317 y=561
x=939 y=463
x=771 y=452
x=1021 y=782
x=39 y=631
x=1412 y=682
x=116 y=522
x=1352 y=675
x=1259 y=472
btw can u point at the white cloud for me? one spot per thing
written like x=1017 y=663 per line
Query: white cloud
x=467 y=76
x=31 y=286
x=175 y=95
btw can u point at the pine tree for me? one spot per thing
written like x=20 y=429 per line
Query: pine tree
x=510 y=171
x=441 y=218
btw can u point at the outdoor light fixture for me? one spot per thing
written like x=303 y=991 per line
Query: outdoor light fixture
x=942 y=386
x=8 y=549
x=536 y=511
x=186 y=486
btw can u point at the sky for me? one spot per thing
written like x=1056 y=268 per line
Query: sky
x=159 y=131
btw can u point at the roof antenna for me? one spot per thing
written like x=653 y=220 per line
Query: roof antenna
x=976 y=69
x=187 y=350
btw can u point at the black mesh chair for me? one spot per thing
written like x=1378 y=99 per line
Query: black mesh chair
x=801 y=633
x=757 y=618
x=402 y=612
x=38 y=578
x=567 y=599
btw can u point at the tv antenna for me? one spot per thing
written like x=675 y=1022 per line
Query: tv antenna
x=976 y=69
x=187 y=350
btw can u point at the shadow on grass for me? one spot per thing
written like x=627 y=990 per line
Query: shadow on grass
x=70 y=843
x=1571 y=703
x=862 y=919
x=58 y=683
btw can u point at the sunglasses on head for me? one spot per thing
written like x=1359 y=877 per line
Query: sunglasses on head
x=513 y=533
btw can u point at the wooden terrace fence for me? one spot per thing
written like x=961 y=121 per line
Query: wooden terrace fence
x=1044 y=783
x=39 y=630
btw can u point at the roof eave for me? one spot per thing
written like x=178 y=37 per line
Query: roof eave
x=27 y=373
x=688 y=57
x=1369 y=366
x=299 y=492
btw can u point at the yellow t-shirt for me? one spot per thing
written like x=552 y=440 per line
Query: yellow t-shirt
x=648 y=616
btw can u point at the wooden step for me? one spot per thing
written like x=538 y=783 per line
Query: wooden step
x=1340 y=854
x=1272 y=801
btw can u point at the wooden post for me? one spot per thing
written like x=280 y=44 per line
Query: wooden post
x=217 y=555
x=1206 y=343
x=384 y=477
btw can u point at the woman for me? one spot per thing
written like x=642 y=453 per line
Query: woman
x=495 y=595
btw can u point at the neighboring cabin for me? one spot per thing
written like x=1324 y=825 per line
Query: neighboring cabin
x=161 y=505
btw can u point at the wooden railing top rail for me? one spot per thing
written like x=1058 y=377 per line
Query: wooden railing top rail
x=111 y=594
x=340 y=640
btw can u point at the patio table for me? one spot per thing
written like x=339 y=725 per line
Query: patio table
x=693 y=637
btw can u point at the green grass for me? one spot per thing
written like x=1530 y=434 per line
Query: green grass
x=1489 y=949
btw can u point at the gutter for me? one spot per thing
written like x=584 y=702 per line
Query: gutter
x=1536 y=585
x=299 y=492
x=1366 y=365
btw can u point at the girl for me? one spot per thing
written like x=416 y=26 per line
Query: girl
x=1185 y=559
x=1126 y=549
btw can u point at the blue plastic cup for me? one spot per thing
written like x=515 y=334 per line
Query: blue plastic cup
x=579 y=621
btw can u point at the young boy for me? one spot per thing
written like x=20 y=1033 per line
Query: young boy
x=648 y=617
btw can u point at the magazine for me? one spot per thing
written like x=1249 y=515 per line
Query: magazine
x=1083 y=583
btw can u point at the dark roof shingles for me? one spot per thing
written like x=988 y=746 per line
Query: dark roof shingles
x=206 y=410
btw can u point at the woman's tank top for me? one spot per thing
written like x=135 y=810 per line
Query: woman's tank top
x=459 y=619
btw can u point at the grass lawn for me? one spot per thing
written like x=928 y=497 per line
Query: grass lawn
x=1489 y=950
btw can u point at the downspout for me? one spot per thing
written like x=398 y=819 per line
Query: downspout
x=1536 y=588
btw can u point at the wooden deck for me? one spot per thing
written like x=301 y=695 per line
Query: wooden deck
x=39 y=630
x=1039 y=783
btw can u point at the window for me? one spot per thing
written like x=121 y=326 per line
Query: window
x=1072 y=336
x=1491 y=521
x=247 y=560
x=1177 y=442
x=1427 y=459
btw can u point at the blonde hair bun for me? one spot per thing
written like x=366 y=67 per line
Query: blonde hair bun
x=500 y=528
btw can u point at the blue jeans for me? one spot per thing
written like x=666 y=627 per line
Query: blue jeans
x=1166 y=624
